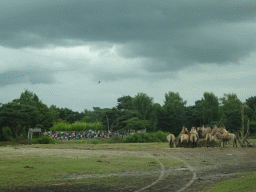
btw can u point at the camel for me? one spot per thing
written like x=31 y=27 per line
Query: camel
x=209 y=138
x=184 y=131
x=214 y=130
x=229 y=137
x=171 y=140
x=193 y=130
x=193 y=139
x=202 y=131
x=183 y=137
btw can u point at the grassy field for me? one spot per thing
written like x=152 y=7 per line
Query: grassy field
x=59 y=163
x=50 y=163
x=245 y=183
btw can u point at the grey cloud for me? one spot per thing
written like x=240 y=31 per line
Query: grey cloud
x=170 y=39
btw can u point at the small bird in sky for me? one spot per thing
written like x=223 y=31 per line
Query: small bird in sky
x=99 y=82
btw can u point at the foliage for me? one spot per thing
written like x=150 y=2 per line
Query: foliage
x=136 y=124
x=143 y=104
x=42 y=140
x=210 y=106
x=230 y=112
x=21 y=137
x=16 y=116
x=115 y=139
x=94 y=141
x=7 y=133
x=123 y=116
x=124 y=103
x=175 y=108
x=252 y=127
x=229 y=102
x=159 y=136
x=77 y=126
x=251 y=102
x=86 y=119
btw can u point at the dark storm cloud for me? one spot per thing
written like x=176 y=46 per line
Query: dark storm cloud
x=170 y=34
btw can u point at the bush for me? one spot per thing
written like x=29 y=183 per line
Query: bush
x=159 y=136
x=94 y=141
x=115 y=139
x=128 y=139
x=21 y=137
x=7 y=133
x=42 y=140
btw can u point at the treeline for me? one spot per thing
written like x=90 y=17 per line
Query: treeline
x=131 y=113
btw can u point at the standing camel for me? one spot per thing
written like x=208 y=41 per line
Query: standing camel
x=183 y=138
x=171 y=140
x=193 y=139
x=184 y=130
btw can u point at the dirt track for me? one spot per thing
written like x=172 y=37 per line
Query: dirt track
x=219 y=164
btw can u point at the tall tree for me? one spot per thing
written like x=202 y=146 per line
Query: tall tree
x=17 y=116
x=210 y=106
x=144 y=105
x=230 y=111
x=251 y=102
x=175 y=107
x=30 y=98
x=124 y=102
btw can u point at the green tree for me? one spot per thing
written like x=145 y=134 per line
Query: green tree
x=16 y=116
x=136 y=124
x=210 y=105
x=251 y=102
x=30 y=98
x=124 y=102
x=230 y=111
x=123 y=116
x=175 y=108
x=191 y=117
x=145 y=106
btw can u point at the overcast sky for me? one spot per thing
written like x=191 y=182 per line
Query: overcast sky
x=60 y=50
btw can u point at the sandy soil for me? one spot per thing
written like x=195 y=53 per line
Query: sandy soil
x=218 y=165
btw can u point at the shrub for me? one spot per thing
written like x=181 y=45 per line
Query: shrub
x=42 y=140
x=21 y=137
x=115 y=139
x=34 y=141
x=7 y=133
x=94 y=141
x=160 y=136
x=128 y=139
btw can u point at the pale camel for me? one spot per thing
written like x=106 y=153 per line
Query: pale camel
x=193 y=139
x=183 y=137
x=171 y=140
x=184 y=131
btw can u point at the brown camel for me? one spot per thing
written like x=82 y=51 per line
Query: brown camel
x=171 y=140
x=183 y=137
x=193 y=139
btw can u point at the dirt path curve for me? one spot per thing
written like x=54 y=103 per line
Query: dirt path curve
x=159 y=178
x=190 y=168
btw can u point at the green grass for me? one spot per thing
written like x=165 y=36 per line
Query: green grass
x=246 y=182
x=51 y=169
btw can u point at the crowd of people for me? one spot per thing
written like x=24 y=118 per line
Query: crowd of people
x=69 y=135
